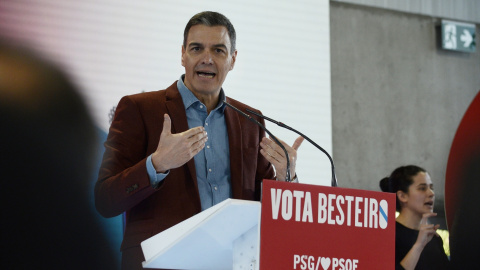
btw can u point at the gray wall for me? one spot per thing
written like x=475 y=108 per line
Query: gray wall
x=397 y=98
x=465 y=10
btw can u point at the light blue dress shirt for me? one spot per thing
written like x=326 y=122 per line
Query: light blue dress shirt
x=212 y=163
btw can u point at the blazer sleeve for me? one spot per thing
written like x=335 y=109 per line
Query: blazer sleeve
x=123 y=180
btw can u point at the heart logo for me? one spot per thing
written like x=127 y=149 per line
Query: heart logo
x=325 y=263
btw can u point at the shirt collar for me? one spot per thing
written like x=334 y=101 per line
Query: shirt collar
x=189 y=98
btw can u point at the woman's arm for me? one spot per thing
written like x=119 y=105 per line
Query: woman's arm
x=426 y=233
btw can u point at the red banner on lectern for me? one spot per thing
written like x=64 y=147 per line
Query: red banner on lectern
x=312 y=227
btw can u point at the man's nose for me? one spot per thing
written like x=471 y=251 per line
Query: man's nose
x=207 y=57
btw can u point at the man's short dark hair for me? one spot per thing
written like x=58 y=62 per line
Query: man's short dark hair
x=211 y=18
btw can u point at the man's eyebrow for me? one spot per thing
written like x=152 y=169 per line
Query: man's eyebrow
x=195 y=44
x=221 y=45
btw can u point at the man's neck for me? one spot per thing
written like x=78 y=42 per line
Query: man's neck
x=210 y=101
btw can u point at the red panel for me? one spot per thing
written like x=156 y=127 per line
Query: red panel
x=324 y=228
x=465 y=146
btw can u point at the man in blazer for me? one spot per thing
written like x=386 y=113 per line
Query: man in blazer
x=164 y=163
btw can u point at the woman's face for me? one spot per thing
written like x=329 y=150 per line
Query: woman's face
x=420 y=197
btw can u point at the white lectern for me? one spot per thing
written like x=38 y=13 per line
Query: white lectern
x=225 y=236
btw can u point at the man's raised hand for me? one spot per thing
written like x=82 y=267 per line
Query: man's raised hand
x=174 y=150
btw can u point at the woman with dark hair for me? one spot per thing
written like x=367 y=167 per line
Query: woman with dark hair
x=417 y=245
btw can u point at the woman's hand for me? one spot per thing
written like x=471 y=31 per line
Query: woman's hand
x=427 y=231
x=425 y=234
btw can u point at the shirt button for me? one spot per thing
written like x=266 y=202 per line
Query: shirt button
x=201 y=106
x=206 y=124
x=209 y=170
x=215 y=188
x=208 y=146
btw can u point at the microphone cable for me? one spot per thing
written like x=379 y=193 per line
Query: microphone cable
x=334 y=178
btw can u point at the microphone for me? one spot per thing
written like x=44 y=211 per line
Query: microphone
x=334 y=178
x=288 y=179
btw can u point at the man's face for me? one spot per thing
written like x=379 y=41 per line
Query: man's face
x=207 y=59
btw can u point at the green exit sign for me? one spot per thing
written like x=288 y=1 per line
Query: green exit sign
x=458 y=36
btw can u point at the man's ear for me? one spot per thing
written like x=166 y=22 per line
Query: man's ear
x=234 y=57
x=183 y=53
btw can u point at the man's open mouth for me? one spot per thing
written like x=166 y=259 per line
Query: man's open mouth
x=209 y=75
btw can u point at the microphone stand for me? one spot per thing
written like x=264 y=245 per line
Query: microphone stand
x=288 y=178
x=334 y=178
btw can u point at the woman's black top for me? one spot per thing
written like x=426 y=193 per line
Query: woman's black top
x=433 y=256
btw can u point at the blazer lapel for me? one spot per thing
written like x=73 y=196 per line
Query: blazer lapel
x=234 y=131
x=176 y=111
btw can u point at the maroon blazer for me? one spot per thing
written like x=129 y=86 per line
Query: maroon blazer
x=124 y=186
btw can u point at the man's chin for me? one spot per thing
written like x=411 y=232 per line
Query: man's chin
x=206 y=91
